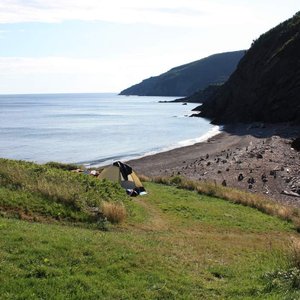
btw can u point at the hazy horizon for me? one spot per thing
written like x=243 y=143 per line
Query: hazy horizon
x=98 y=46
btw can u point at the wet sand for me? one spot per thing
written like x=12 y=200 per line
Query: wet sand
x=257 y=158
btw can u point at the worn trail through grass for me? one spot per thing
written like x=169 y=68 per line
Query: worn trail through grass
x=156 y=221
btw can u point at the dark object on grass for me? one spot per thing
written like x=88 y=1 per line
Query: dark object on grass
x=132 y=192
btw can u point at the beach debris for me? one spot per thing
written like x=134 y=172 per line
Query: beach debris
x=224 y=183
x=219 y=171
x=240 y=177
x=207 y=156
x=259 y=156
x=250 y=186
x=264 y=178
x=273 y=173
x=77 y=171
x=251 y=180
x=208 y=163
x=290 y=193
x=94 y=173
x=288 y=179
x=227 y=169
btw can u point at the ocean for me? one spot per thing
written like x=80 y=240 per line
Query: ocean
x=94 y=129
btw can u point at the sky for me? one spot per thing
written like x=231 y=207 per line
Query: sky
x=80 y=46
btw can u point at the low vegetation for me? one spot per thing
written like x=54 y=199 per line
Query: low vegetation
x=174 y=243
x=236 y=196
x=114 y=212
x=39 y=192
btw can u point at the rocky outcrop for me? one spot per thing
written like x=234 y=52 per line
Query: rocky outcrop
x=189 y=78
x=266 y=84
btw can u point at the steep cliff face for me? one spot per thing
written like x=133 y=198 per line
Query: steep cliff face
x=190 y=78
x=266 y=84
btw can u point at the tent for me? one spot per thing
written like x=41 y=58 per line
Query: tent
x=123 y=174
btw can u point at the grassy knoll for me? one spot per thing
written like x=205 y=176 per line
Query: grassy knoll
x=51 y=193
x=174 y=244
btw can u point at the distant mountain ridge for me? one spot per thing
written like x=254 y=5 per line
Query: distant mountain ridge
x=187 y=79
x=266 y=84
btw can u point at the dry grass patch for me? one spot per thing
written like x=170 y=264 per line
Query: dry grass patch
x=114 y=212
x=295 y=252
x=144 y=178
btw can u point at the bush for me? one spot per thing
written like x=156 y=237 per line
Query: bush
x=57 y=165
x=295 y=253
x=285 y=280
x=114 y=212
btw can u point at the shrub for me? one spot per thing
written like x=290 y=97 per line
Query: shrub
x=66 y=167
x=114 y=212
x=285 y=280
x=143 y=178
x=295 y=253
x=176 y=180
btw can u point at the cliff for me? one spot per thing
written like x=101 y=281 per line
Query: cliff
x=266 y=84
x=189 y=78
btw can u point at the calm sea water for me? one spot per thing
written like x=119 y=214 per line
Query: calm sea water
x=94 y=129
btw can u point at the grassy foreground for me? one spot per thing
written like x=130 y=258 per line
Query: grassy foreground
x=49 y=193
x=174 y=244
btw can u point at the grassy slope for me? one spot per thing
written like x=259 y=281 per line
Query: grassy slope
x=175 y=244
x=49 y=193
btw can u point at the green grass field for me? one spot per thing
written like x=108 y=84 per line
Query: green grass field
x=174 y=244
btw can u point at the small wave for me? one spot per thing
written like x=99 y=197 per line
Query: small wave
x=212 y=132
x=109 y=160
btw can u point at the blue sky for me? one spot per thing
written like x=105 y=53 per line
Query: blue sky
x=106 y=46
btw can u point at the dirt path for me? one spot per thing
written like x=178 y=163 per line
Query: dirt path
x=156 y=221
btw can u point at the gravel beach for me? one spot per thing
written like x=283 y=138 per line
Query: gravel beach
x=258 y=158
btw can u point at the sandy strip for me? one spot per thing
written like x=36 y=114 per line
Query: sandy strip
x=257 y=158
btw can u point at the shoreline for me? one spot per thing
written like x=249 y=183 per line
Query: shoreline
x=214 y=131
x=257 y=158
